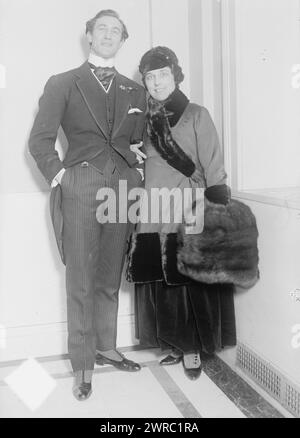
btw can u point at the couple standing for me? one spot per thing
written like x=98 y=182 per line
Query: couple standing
x=103 y=115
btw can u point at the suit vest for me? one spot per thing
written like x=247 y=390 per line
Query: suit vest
x=109 y=104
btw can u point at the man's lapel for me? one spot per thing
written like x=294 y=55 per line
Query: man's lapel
x=91 y=93
x=122 y=104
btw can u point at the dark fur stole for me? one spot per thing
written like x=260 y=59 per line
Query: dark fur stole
x=226 y=251
x=159 y=132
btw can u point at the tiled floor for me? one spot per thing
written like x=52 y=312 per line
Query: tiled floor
x=154 y=392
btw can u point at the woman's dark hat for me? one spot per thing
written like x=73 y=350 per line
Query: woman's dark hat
x=158 y=57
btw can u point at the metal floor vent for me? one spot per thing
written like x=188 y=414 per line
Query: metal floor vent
x=271 y=380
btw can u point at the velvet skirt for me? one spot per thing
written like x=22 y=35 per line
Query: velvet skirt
x=195 y=316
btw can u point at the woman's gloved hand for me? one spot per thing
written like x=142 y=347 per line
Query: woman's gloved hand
x=218 y=194
x=198 y=175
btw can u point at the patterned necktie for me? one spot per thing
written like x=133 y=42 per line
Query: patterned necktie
x=104 y=74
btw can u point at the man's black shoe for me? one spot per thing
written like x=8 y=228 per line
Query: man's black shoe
x=124 y=364
x=82 y=389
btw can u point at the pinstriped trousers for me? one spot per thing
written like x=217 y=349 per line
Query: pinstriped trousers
x=94 y=258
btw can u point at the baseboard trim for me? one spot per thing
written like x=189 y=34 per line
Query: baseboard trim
x=17 y=343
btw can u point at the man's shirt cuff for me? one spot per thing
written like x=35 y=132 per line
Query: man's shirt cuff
x=57 y=179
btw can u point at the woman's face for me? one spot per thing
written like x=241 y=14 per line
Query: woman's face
x=160 y=83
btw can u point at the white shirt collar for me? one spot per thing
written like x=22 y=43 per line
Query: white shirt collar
x=98 y=61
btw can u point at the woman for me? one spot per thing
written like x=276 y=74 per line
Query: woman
x=182 y=148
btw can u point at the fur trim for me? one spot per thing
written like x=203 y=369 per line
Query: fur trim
x=144 y=263
x=175 y=106
x=169 y=260
x=226 y=251
x=153 y=257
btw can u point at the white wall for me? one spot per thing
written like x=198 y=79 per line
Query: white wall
x=263 y=44
x=38 y=39
x=268 y=107
x=205 y=57
x=267 y=313
x=267 y=152
x=170 y=27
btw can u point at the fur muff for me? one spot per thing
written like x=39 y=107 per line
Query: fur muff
x=226 y=251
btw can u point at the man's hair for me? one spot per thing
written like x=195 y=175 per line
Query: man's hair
x=106 y=13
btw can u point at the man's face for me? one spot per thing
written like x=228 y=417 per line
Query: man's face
x=106 y=38
x=160 y=83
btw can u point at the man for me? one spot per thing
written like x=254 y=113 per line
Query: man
x=102 y=115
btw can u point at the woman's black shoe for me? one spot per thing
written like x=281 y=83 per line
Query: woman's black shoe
x=192 y=365
x=171 y=360
x=124 y=364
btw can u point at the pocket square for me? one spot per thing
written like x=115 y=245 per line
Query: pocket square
x=134 y=111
